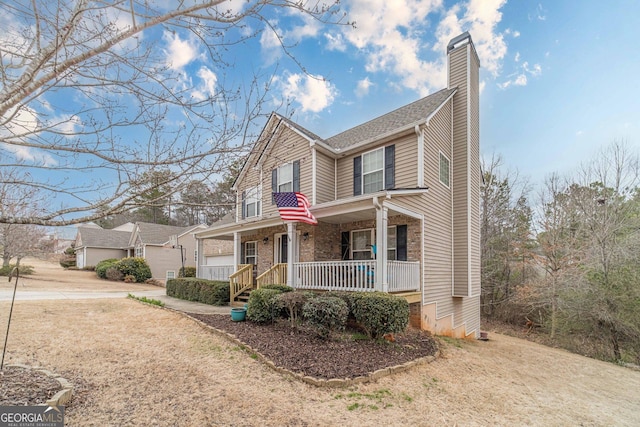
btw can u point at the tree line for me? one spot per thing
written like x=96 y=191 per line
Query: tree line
x=565 y=257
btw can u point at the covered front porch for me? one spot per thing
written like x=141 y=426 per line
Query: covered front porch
x=363 y=246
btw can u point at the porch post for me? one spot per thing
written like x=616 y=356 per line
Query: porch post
x=381 y=282
x=236 y=251
x=291 y=245
x=199 y=245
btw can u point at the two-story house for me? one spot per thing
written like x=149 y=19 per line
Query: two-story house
x=396 y=200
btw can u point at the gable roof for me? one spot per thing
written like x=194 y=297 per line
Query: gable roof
x=396 y=120
x=159 y=234
x=100 y=238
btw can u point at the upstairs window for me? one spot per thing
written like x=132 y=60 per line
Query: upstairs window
x=374 y=171
x=444 y=170
x=251 y=202
x=286 y=178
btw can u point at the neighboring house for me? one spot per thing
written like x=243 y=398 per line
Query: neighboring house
x=165 y=248
x=396 y=199
x=94 y=244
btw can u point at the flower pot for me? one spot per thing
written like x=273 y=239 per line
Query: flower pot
x=238 y=314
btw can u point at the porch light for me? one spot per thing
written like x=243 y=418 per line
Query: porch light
x=265 y=240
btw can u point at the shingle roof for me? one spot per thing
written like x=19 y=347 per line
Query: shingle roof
x=306 y=132
x=395 y=120
x=158 y=234
x=99 y=238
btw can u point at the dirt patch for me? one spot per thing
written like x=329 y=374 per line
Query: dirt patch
x=20 y=387
x=300 y=351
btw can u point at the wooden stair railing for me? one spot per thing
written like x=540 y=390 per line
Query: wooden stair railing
x=240 y=281
x=276 y=275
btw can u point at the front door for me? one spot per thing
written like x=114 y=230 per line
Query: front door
x=281 y=250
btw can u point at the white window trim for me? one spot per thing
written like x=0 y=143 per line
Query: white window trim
x=381 y=149
x=167 y=274
x=440 y=156
x=138 y=251
x=390 y=245
x=257 y=201
x=255 y=255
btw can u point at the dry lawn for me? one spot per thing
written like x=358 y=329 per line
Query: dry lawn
x=150 y=366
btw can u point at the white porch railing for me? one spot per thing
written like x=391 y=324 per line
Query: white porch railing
x=355 y=275
x=216 y=272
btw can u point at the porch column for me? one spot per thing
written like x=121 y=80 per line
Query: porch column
x=381 y=281
x=199 y=245
x=237 y=250
x=291 y=245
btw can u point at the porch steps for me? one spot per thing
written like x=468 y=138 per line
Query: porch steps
x=411 y=296
x=241 y=299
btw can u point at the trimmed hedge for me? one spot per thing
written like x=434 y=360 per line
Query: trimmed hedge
x=278 y=287
x=200 y=290
x=379 y=313
x=263 y=306
x=187 y=272
x=23 y=270
x=326 y=314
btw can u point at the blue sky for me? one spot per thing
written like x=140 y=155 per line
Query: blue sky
x=558 y=78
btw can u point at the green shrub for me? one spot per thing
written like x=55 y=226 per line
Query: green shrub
x=67 y=262
x=326 y=314
x=187 y=272
x=113 y=273
x=293 y=302
x=102 y=266
x=200 y=290
x=24 y=270
x=278 y=287
x=136 y=267
x=379 y=313
x=263 y=305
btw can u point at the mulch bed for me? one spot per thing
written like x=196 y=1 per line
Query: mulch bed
x=21 y=387
x=346 y=355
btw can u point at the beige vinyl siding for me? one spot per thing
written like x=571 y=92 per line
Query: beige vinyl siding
x=406 y=175
x=345 y=177
x=95 y=255
x=475 y=179
x=460 y=169
x=438 y=257
x=325 y=178
x=161 y=259
x=188 y=242
x=289 y=147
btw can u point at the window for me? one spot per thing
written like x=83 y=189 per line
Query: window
x=195 y=256
x=171 y=274
x=391 y=243
x=250 y=252
x=444 y=169
x=285 y=178
x=361 y=241
x=373 y=171
x=139 y=252
x=251 y=201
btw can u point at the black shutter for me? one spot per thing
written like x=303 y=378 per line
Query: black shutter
x=296 y=175
x=345 y=245
x=389 y=167
x=357 y=176
x=244 y=205
x=274 y=184
x=242 y=260
x=401 y=242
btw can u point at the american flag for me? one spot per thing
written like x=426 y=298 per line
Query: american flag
x=294 y=207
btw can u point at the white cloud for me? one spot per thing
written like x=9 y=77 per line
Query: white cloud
x=313 y=93
x=207 y=88
x=517 y=57
x=335 y=42
x=520 y=77
x=179 y=52
x=363 y=86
